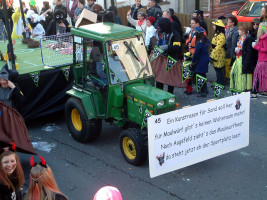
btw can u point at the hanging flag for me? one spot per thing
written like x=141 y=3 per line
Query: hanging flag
x=66 y=72
x=140 y=108
x=200 y=81
x=112 y=74
x=170 y=63
x=235 y=92
x=217 y=88
x=156 y=53
x=35 y=77
x=146 y=115
x=121 y=83
x=186 y=72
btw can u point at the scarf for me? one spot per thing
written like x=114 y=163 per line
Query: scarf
x=140 y=22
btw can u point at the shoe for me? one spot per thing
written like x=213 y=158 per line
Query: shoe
x=253 y=97
x=201 y=95
x=189 y=93
x=185 y=92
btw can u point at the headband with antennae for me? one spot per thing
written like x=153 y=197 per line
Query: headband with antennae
x=42 y=163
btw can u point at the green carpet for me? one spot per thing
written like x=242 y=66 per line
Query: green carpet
x=30 y=59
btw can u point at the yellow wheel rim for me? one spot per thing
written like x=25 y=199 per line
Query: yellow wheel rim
x=129 y=148
x=76 y=119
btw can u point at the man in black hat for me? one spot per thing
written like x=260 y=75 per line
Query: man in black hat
x=199 y=14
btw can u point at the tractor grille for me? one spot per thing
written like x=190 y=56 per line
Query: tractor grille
x=166 y=109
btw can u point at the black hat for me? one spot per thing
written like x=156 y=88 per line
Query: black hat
x=198 y=12
x=165 y=25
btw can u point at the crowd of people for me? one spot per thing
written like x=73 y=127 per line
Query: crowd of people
x=237 y=52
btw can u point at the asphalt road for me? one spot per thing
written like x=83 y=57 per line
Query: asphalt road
x=81 y=169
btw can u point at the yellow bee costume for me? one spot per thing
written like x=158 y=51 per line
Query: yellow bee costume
x=18 y=27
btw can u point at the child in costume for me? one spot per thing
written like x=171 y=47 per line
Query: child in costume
x=260 y=73
x=11 y=174
x=239 y=81
x=43 y=185
x=187 y=62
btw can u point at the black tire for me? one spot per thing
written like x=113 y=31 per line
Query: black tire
x=133 y=146
x=82 y=129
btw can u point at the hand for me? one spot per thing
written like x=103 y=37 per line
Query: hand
x=253 y=44
x=10 y=84
x=129 y=12
x=61 y=24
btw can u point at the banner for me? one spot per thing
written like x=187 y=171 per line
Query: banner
x=147 y=114
x=170 y=63
x=66 y=72
x=235 y=92
x=187 y=136
x=200 y=81
x=186 y=73
x=156 y=53
x=35 y=77
x=217 y=88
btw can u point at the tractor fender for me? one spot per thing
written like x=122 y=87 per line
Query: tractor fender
x=87 y=101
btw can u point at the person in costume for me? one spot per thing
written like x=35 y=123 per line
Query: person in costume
x=108 y=193
x=187 y=62
x=217 y=55
x=37 y=28
x=260 y=73
x=18 y=27
x=58 y=25
x=150 y=32
x=191 y=41
x=239 y=81
x=169 y=42
x=249 y=54
x=11 y=174
x=43 y=185
x=201 y=59
x=10 y=93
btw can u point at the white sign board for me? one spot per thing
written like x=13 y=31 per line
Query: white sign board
x=187 y=136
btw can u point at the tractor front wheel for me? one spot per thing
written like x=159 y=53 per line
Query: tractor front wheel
x=132 y=145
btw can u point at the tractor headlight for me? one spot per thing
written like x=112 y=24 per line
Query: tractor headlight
x=160 y=103
x=171 y=100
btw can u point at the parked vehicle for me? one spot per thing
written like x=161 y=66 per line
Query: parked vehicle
x=124 y=97
x=251 y=9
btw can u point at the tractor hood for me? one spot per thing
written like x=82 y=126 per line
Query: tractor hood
x=146 y=93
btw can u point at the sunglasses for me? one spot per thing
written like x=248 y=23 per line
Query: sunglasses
x=253 y=24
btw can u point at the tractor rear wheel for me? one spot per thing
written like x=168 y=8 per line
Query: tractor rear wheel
x=80 y=127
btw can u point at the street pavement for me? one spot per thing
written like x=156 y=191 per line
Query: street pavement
x=81 y=169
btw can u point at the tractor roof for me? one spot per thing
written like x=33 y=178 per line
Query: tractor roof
x=105 y=31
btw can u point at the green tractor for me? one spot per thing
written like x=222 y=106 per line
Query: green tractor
x=113 y=82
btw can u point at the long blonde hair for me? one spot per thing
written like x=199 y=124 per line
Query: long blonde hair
x=262 y=30
x=43 y=185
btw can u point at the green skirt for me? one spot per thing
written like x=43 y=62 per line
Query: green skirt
x=239 y=81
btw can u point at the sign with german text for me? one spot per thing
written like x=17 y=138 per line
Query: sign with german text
x=187 y=136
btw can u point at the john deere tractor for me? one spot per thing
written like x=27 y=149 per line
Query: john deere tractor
x=113 y=82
